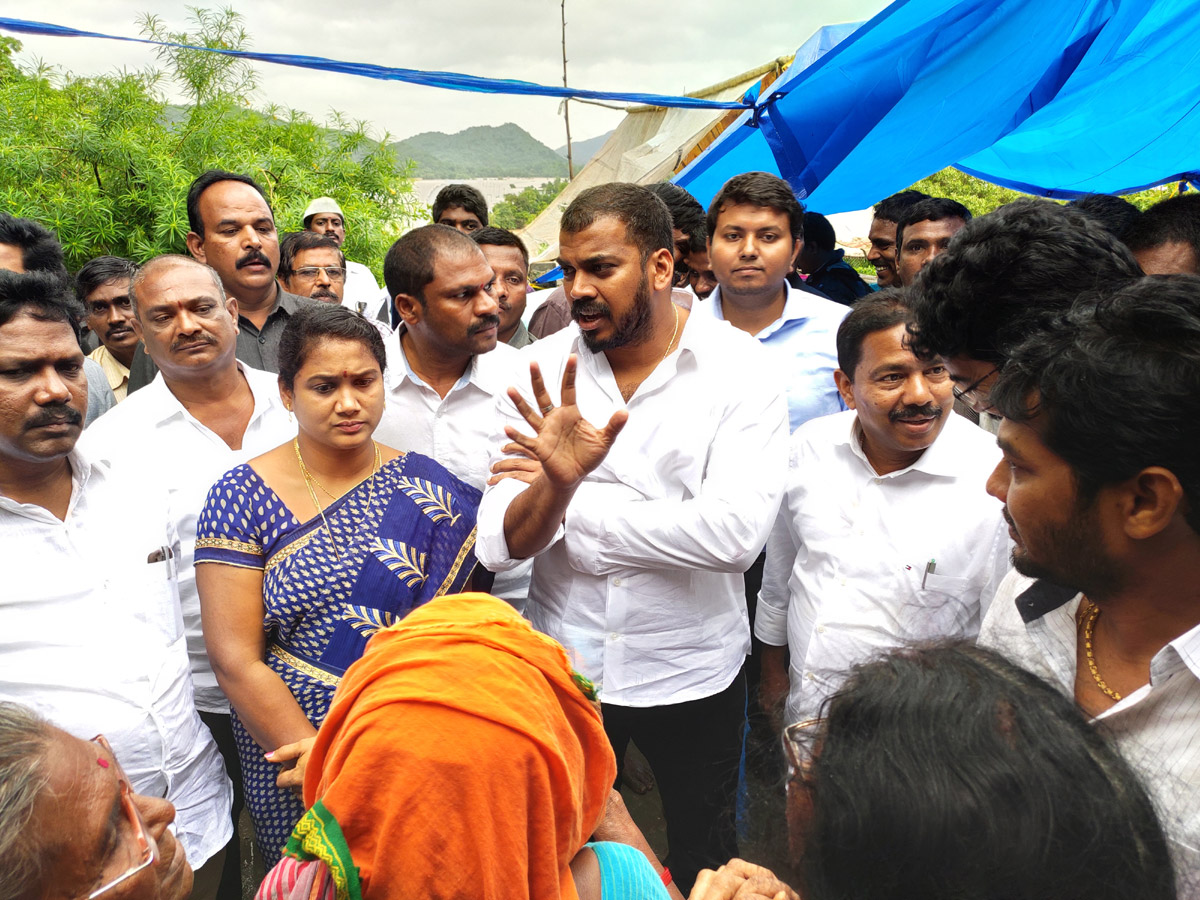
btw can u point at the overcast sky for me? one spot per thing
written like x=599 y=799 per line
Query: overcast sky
x=633 y=45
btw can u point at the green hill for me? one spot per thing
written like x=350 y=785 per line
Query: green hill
x=480 y=152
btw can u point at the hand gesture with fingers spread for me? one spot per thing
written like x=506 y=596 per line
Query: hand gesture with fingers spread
x=566 y=444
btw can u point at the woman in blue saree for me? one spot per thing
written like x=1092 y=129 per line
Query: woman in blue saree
x=303 y=553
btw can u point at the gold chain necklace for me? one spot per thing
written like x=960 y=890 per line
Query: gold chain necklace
x=1089 y=628
x=673 y=333
x=309 y=481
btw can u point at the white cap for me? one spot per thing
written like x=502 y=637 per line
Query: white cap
x=323 y=205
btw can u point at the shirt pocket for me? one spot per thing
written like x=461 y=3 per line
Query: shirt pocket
x=151 y=592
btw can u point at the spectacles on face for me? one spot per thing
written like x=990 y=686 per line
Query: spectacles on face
x=127 y=861
x=99 y=308
x=333 y=273
x=682 y=274
x=972 y=396
x=797 y=747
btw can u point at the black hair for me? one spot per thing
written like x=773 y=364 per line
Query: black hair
x=759 y=189
x=461 y=195
x=100 y=271
x=948 y=773
x=310 y=324
x=410 y=263
x=206 y=180
x=646 y=218
x=1115 y=385
x=40 y=249
x=43 y=295
x=818 y=232
x=891 y=208
x=1114 y=213
x=1006 y=272
x=498 y=237
x=293 y=242
x=931 y=209
x=884 y=309
x=1174 y=219
x=687 y=214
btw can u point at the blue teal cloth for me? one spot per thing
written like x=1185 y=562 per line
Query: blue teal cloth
x=626 y=874
x=394 y=542
x=1058 y=99
x=804 y=342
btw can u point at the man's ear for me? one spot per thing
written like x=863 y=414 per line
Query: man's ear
x=409 y=308
x=136 y=324
x=845 y=387
x=232 y=307
x=195 y=245
x=661 y=269
x=797 y=246
x=1150 y=501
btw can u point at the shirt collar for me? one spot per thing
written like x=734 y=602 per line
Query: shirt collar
x=480 y=372
x=164 y=405
x=798 y=306
x=940 y=459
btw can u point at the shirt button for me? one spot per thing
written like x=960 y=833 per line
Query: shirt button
x=820 y=629
x=262 y=339
x=810 y=676
x=616 y=582
x=879 y=481
x=614 y=636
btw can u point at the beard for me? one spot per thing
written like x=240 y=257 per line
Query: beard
x=1071 y=555
x=632 y=328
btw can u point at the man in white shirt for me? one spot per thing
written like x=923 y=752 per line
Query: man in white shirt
x=204 y=413
x=446 y=369
x=1101 y=488
x=90 y=627
x=641 y=524
x=886 y=535
x=324 y=216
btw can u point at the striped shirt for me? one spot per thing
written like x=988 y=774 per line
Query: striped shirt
x=1156 y=727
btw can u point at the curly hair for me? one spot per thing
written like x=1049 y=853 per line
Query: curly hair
x=1008 y=272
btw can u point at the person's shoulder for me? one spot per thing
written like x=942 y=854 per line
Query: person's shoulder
x=977 y=446
x=140 y=410
x=259 y=379
x=824 y=432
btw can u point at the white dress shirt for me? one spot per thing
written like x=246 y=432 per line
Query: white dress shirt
x=457 y=430
x=845 y=576
x=643 y=581
x=91 y=636
x=1156 y=728
x=152 y=438
x=361 y=287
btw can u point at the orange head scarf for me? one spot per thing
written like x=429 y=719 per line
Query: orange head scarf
x=459 y=759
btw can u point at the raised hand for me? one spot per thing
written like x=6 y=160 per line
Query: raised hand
x=566 y=444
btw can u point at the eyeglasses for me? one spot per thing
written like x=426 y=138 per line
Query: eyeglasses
x=797 y=746
x=100 y=307
x=972 y=396
x=146 y=852
x=333 y=273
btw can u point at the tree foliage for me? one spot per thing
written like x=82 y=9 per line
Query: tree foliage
x=982 y=197
x=519 y=209
x=106 y=162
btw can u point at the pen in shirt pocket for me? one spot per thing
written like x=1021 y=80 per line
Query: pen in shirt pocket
x=163 y=554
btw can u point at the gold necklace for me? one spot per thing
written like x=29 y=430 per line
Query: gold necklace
x=1089 y=628
x=673 y=333
x=309 y=481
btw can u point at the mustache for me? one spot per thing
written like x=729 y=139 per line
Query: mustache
x=191 y=339
x=583 y=308
x=54 y=415
x=907 y=413
x=254 y=256
x=323 y=293
x=484 y=323
x=116 y=329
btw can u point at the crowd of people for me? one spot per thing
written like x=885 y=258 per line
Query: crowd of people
x=405 y=572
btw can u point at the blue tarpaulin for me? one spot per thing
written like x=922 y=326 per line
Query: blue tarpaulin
x=1058 y=99
x=454 y=81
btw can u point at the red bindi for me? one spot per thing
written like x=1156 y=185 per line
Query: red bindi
x=102 y=762
x=345 y=374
